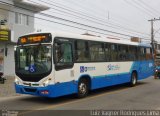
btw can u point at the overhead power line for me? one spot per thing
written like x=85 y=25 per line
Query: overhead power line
x=155 y=10
x=141 y=5
x=118 y=17
x=140 y=8
x=59 y=23
x=115 y=20
x=88 y=30
x=86 y=16
x=50 y=16
x=65 y=24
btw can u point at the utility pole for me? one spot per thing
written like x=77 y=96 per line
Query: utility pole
x=152 y=32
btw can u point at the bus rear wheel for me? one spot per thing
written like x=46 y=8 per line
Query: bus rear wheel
x=83 y=88
x=133 y=81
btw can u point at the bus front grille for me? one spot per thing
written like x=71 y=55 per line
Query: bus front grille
x=31 y=90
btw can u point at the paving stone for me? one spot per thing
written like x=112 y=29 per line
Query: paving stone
x=7 y=89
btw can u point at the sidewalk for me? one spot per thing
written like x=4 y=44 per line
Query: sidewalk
x=7 y=89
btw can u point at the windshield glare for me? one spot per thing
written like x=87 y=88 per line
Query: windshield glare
x=34 y=59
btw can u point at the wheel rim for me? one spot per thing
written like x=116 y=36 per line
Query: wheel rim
x=82 y=88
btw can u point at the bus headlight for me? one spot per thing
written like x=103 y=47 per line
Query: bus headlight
x=16 y=81
x=45 y=83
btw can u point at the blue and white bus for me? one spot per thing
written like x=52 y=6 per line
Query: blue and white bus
x=57 y=64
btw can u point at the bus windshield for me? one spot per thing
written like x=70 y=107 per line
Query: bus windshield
x=33 y=60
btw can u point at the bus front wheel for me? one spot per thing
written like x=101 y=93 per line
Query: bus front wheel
x=83 y=88
x=133 y=81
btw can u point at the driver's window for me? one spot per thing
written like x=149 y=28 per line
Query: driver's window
x=63 y=53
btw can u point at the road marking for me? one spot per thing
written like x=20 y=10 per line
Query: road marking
x=76 y=101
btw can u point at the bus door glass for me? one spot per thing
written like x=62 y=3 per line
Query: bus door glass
x=63 y=57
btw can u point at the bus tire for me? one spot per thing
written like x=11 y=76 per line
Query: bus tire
x=133 y=81
x=83 y=88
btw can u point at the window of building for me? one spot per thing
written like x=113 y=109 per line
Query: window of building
x=21 y=19
x=96 y=51
x=26 y=19
x=18 y=18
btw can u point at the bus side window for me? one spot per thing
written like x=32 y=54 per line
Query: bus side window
x=107 y=52
x=123 y=52
x=132 y=53
x=81 y=51
x=148 y=54
x=142 y=53
x=97 y=51
x=114 y=52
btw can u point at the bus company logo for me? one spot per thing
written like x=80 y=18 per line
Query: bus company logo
x=113 y=67
x=85 y=69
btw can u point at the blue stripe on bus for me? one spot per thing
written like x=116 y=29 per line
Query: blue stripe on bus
x=109 y=80
x=71 y=87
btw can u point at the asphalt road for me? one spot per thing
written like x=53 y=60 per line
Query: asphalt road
x=144 y=96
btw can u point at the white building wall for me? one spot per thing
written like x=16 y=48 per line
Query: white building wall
x=17 y=30
x=20 y=29
x=9 y=63
x=3 y=14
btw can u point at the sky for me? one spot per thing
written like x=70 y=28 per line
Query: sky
x=110 y=18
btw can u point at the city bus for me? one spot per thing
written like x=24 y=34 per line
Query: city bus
x=53 y=64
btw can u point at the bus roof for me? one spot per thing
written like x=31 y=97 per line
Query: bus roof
x=93 y=38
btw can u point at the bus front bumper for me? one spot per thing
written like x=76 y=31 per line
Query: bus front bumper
x=37 y=91
x=48 y=91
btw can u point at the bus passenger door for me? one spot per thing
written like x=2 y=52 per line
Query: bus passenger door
x=63 y=58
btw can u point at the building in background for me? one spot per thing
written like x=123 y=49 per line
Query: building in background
x=157 y=52
x=16 y=19
x=157 y=46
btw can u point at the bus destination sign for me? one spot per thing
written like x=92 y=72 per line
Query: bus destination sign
x=38 y=38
